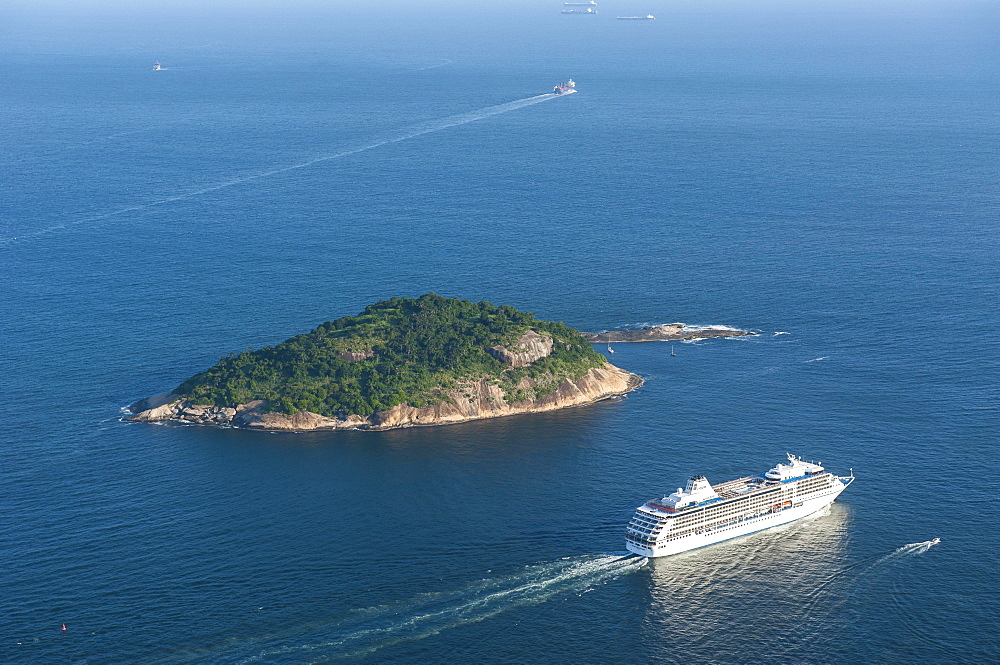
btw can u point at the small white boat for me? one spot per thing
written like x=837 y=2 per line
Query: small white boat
x=565 y=88
x=156 y=66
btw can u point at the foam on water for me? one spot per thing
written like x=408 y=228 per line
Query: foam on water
x=912 y=549
x=440 y=64
x=686 y=327
x=368 y=630
x=871 y=564
x=158 y=127
x=649 y=324
x=819 y=599
x=696 y=328
x=410 y=133
x=621 y=204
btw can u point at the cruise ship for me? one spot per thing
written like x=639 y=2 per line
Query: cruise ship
x=702 y=514
x=565 y=88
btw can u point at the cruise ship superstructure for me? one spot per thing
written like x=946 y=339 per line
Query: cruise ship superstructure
x=702 y=514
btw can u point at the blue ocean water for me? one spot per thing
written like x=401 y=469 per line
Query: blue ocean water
x=826 y=171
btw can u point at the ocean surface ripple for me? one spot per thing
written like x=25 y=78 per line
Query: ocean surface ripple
x=825 y=178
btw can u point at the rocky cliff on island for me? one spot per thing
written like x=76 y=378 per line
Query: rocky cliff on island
x=667 y=332
x=400 y=363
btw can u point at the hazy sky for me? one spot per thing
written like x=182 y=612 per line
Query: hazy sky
x=143 y=24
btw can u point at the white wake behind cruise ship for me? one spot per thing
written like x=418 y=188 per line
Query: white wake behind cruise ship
x=702 y=514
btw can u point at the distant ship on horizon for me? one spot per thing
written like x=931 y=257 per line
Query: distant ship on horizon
x=647 y=17
x=588 y=10
x=565 y=88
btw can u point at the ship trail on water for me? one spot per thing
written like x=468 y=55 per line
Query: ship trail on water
x=404 y=135
x=368 y=630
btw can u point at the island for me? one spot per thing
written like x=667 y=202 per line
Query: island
x=667 y=332
x=401 y=362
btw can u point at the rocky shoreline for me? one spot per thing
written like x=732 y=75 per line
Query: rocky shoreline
x=474 y=400
x=668 y=332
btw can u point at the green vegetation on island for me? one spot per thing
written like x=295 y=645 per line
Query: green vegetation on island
x=397 y=351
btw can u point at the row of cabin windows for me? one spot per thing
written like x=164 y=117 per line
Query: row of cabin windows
x=640 y=518
x=740 y=507
x=735 y=524
x=716 y=523
x=645 y=542
x=764 y=497
x=813 y=485
x=642 y=529
x=729 y=509
x=744 y=505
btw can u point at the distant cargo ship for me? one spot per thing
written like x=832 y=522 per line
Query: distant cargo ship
x=588 y=10
x=647 y=17
x=565 y=88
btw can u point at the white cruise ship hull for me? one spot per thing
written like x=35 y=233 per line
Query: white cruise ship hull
x=667 y=545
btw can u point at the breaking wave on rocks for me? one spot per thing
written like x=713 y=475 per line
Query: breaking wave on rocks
x=697 y=328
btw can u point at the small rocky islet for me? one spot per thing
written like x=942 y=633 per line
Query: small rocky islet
x=667 y=332
x=400 y=363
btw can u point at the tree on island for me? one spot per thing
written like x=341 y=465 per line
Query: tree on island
x=398 y=351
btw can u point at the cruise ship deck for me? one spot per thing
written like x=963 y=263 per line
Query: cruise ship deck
x=730 y=489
